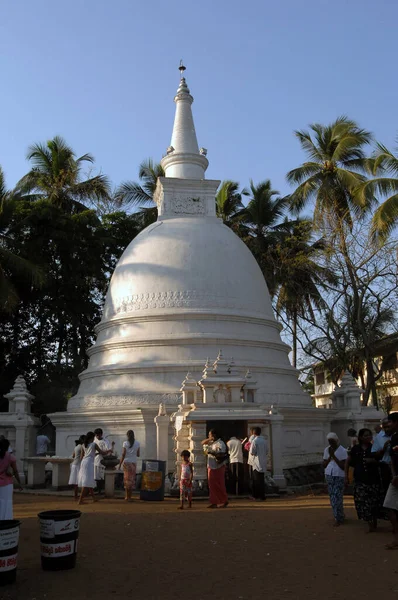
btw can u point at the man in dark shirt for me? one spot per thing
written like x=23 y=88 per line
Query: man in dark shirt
x=391 y=499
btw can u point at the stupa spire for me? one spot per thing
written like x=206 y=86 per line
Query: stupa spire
x=184 y=160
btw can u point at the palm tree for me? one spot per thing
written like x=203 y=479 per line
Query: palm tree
x=300 y=275
x=262 y=219
x=56 y=175
x=229 y=202
x=12 y=265
x=140 y=195
x=386 y=216
x=336 y=167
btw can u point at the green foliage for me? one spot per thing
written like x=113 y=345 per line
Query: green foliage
x=56 y=175
x=139 y=196
x=75 y=251
x=13 y=265
x=336 y=168
x=61 y=235
x=229 y=202
x=385 y=217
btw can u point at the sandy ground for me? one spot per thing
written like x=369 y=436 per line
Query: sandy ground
x=284 y=548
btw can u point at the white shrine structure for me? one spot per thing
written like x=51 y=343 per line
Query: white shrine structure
x=185 y=288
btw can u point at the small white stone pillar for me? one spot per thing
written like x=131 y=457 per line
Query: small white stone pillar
x=21 y=420
x=276 y=448
x=162 y=434
x=347 y=395
x=19 y=399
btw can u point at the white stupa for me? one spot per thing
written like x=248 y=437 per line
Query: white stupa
x=184 y=288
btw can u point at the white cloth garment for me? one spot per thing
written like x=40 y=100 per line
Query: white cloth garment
x=6 y=492
x=258 y=450
x=75 y=466
x=99 y=469
x=235 y=450
x=333 y=468
x=86 y=474
x=131 y=453
x=42 y=443
x=218 y=447
x=250 y=457
x=391 y=499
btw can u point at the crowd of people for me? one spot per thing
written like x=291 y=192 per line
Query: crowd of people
x=370 y=463
x=88 y=471
x=225 y=463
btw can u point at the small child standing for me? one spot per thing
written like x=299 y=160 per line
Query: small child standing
x=186 y=479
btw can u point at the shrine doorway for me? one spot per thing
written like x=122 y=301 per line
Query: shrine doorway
x=228 y=429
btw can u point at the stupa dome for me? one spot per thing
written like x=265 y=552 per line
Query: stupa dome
x=183 y=264
x=184 y=288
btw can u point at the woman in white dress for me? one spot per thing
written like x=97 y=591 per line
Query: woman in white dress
x=86 y=474
x=131 y=451
x=75 y=465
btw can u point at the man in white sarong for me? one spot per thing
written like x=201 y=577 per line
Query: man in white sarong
x=99 y=469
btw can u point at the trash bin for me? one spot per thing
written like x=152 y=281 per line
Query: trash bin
x=9 y=536
x=152 y=480
x=59 y=533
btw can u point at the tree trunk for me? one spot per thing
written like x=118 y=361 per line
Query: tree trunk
x=294 y=355
x=39 y=345
x=15 y=333
x=61 y=340
x=371 y=383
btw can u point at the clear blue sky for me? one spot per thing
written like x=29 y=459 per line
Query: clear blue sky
x=103 y=74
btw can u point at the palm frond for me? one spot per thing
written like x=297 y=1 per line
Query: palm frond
x=385 y=219
x=130 y=193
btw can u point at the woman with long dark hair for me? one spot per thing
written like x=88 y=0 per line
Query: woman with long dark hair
x=75 y=465
x=217 y=458
x=367 y=484
x=8 y=470
x=130 y=453
x=86 y=475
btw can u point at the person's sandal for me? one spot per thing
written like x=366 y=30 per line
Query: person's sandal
x=212 y=506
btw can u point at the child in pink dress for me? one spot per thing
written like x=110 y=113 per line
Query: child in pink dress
x=186 y=479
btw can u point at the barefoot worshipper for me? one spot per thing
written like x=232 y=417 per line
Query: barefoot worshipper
x=334 y=458
x=367 y=488
x=128 y=460
x=258 y=452
x=217 y=458
x=86 y=475
x=381 y=451
x=99 y=469
x=75 y=465
x=186 y=479
x=236 y=468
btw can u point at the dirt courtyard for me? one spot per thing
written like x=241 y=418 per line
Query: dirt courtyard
x=283 y=548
